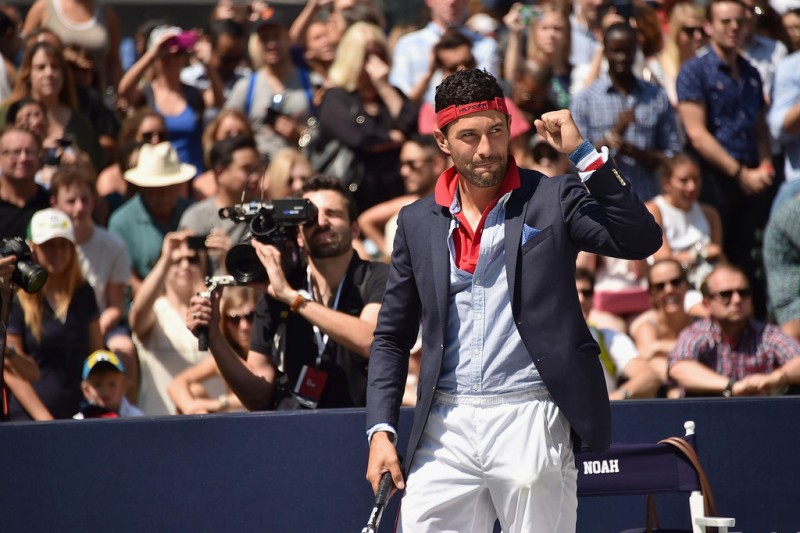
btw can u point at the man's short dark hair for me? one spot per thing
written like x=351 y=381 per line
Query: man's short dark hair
x=452 y=39
x=465 y=87
x=227 y=27
x=318 y=182
x=622 y=28
x=712 y=3
x=71 y=175
x=221 y=154
x=426 y=142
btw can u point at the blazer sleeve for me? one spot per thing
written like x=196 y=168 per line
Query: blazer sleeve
x=611 y=220
x=395 y=334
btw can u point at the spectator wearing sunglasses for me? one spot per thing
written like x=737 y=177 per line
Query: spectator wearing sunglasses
x=655 y=331
x=237 y=309
x=730 y=353
x=165 y=346
x=145 y=126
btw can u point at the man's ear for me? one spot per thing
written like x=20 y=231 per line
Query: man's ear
x=218 y=171
x=441 y=140
x=355 y=230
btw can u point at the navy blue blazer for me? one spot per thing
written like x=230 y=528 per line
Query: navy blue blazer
x=610 y=221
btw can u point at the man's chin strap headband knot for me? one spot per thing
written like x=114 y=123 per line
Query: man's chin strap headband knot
x=449 y=114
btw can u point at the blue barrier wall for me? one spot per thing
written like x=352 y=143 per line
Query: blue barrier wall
x=304 y=472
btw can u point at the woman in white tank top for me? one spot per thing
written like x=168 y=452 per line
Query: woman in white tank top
x=692 y=231
x=89 y=24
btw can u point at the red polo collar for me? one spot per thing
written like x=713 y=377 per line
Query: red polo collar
x=466 y=241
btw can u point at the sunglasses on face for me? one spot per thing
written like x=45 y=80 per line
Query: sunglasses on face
x=191 y=259
x=148 y=136
x=586 y=293
x=674 y=283
x=725 y=296
x=692 y=31
x=236 y=319
x=414 y=164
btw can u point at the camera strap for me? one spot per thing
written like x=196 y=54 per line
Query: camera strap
x=322 y=340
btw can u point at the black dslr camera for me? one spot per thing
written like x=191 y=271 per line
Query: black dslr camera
x=28 y=275
x=273 y=223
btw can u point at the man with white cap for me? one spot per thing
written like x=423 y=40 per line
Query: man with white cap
x=155 y=210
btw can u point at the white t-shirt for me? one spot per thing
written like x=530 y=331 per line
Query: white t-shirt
x=621 y=349
x=103 y=259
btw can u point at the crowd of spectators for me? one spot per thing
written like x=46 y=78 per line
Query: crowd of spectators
x=109 y=173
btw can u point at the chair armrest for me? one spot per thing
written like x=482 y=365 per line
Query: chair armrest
x=707 y=521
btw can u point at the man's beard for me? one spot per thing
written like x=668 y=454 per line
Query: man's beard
x=484 y=178
x=327 y=249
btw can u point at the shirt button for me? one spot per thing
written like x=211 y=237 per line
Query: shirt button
x=477 y=282
x=478 y=316
x=476 y=351
x=475 y=388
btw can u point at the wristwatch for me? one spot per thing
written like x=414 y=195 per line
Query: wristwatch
x=300 y=300
x=728 y=392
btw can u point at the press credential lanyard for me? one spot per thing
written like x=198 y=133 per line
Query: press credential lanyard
x=322 y=340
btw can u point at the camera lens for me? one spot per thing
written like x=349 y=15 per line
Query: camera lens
x=29 y=276
x=243 y=264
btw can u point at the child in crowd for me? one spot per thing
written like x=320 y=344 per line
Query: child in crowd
x=104 y=387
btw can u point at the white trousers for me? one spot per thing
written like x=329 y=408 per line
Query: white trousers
x=506 y=457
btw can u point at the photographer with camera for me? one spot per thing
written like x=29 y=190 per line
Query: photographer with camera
x=314 y=326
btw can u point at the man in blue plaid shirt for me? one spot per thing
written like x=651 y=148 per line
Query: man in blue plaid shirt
x=632 y=117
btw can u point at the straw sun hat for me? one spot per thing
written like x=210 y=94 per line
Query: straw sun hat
x=159 y=166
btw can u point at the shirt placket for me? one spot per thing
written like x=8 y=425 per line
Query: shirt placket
x=478 y=344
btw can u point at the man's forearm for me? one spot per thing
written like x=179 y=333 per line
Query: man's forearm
x=255 y=390
x=349 y=331
x=697 y=377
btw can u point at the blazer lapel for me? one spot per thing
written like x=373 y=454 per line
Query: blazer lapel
x=440 y=257
x=515 y=217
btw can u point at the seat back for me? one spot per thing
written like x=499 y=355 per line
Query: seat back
x=636 y=469
x=668 y=466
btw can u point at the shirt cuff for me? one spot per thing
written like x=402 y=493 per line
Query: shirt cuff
x=382 y=427
x=587 y=159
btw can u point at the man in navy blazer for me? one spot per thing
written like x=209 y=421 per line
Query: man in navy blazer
x=510 y=374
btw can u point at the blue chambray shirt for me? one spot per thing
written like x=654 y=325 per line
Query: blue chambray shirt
x=732 y=106
x=484 y=353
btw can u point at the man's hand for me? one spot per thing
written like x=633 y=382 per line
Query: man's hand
x=218 y=244
x=559 y=130
x=279 y=288
x=7 y=268
x=377 y=69
x=383 y=458
x=625 y=119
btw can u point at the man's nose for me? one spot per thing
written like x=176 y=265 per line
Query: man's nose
x=484 y=146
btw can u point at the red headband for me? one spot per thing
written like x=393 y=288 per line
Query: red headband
x=449 y=114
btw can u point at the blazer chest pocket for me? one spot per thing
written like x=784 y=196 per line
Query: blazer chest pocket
x=534 y=237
